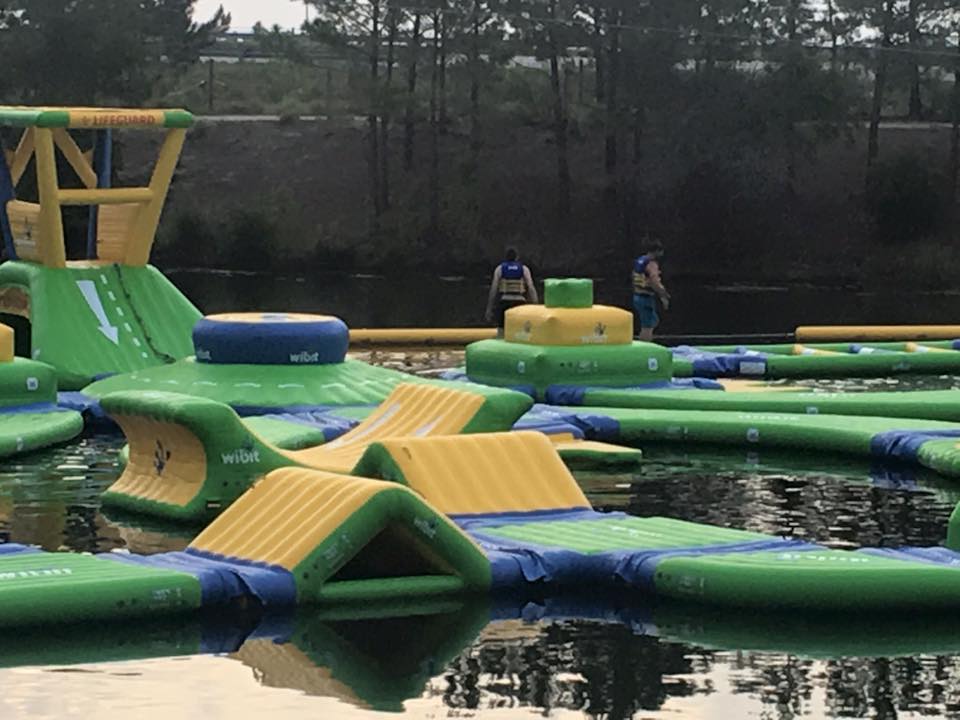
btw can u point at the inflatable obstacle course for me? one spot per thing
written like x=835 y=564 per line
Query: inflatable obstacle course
x=266 y=362
x=539 y=529
x=431 y=530
x=88 y=318
x=927 y=443
x=838 y=359
x=319 y=538
x=567 y=341
x=190 y=457
x=917 y=404
x=29 y=416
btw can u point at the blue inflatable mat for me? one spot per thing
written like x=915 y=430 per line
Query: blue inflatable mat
x=223 y=580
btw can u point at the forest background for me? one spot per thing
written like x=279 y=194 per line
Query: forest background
x=796 y=140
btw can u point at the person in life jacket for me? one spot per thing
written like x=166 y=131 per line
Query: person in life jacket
x=512 y=285
x=648 y=290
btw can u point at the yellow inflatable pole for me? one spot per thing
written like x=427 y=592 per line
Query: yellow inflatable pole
x=859 y=333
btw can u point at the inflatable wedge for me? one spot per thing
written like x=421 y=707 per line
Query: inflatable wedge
x=461 y=515
x=190 y=458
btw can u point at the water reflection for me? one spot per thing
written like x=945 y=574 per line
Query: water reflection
x=605 y=657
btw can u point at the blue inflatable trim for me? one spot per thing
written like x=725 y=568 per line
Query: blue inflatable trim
x=223 y=579
x=271 y=342
x=15 y=548
x=710 y=364
x=575 y=394
x=591 y=426
x=516 y=563
x=857 y=348
x=931 y=555
x=905 y=444
x=332 y=426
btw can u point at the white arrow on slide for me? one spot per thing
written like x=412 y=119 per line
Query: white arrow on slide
x=89 y=290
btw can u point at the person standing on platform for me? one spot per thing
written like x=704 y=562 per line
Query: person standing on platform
x=649 y=293
x=511 y=285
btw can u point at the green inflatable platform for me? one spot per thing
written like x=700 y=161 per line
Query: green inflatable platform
x=818 y=360
x=29 y=417
x=929 y=443
x=918 y=404
x=91 y=321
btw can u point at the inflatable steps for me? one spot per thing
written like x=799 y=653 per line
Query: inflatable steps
x=260 y=363
x=190 y=458
x=88 y=320
x=29 y=416
x=875 y=359
x=918 y=404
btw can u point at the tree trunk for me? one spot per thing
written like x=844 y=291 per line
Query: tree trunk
x=612 y=120
x=475 y=88
x=955 y=130
x=915 y=108
x=442 y=72
x=559 y=117
x=831 y=21
x=387 y=100
x=434 y=188
x=373 y=150
x=409 y=121
x=879 y=85
x=600 y=87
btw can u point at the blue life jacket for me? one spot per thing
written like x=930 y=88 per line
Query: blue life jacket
x=641 y=284
x=512 y=286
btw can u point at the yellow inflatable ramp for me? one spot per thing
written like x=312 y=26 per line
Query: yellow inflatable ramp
x=478 y=474
x=340 y=538
x=191 y=457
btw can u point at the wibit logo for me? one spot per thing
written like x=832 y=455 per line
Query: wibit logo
x=525 y=332
x=599 y=335
x=304 y=357
x=203 y=354
x=427 y=527
x=161 y=456
x=244 y=455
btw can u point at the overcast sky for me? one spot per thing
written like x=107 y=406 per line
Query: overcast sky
x=246 y=12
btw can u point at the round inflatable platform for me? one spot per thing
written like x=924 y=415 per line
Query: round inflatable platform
x=270 y=339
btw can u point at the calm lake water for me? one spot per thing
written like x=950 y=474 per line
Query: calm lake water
x=502 y=659
x=432 y=301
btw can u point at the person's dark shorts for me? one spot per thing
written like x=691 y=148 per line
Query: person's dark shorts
x=645 y=306
x=503 y=306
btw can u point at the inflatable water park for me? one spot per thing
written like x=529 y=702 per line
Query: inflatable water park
x=304 y=478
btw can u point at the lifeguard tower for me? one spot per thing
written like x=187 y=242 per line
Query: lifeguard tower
x=110 y=311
